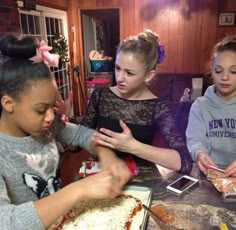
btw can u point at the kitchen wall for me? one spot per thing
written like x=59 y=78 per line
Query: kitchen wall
x=9 y=18
x=188 y=28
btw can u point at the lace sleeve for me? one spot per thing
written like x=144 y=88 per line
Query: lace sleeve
x=91 y=116
x=174 y=139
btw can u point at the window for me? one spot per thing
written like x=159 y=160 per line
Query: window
x=44 y=23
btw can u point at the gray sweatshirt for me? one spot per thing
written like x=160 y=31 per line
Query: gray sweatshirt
x=28 y=172
x=212 y=128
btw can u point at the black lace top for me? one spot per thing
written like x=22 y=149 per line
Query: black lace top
x=144 y=118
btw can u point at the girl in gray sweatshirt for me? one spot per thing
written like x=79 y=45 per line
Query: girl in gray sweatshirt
x=211 y=130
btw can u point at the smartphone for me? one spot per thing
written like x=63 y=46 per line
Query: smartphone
x=182 y=184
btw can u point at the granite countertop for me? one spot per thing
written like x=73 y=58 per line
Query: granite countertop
x=200 y=208
x=201 y=202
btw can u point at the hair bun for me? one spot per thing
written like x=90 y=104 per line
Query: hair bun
x=149 y=36
x=14 y=47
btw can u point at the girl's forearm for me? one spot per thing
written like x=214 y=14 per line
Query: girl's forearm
x=54 y=206
x=168 y=158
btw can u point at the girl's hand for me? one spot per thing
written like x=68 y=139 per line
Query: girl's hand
x=119 y=141
x=99 y=186
x=230 y=171
x=62 y=107
x=204 y=161
x=118 y=168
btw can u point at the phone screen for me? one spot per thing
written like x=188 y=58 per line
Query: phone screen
x=182 y=183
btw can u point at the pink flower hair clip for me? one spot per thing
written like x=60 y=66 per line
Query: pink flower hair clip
x=43 y=55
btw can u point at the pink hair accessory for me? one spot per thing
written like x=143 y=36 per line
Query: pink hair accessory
x=42 y=55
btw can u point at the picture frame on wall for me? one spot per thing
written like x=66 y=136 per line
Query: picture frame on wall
x=226 y=19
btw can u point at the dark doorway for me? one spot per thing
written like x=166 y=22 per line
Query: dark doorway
x=101 y=32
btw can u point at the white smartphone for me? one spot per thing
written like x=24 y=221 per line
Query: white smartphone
x=182 y=184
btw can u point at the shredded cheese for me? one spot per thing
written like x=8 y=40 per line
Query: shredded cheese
x=106 y=214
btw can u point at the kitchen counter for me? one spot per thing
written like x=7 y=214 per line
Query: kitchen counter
x=203 y=199
x=198 y=204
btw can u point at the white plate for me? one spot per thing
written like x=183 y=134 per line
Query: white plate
x=144 y=194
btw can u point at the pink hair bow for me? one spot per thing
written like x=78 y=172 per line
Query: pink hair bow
x=42 y=55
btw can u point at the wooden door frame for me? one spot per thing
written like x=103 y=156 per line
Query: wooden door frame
x=80 y=42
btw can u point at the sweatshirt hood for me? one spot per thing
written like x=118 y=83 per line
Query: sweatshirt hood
x=216 y=100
